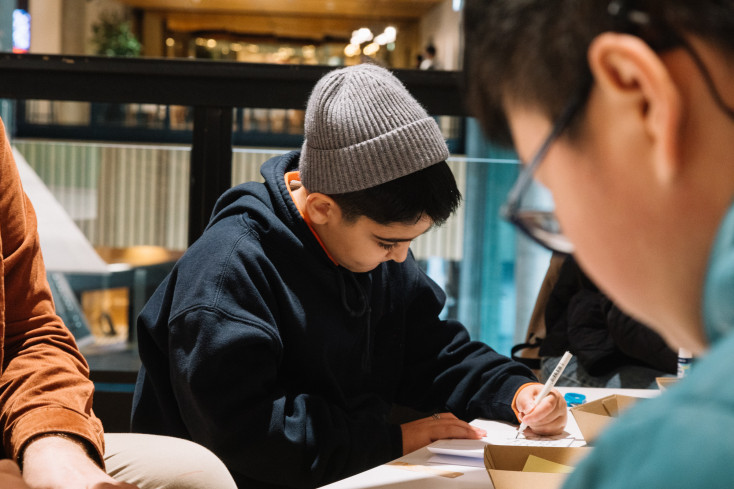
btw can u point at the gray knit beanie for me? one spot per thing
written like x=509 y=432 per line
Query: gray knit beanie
x=362 y=129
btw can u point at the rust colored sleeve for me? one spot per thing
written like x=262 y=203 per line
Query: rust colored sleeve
x=44 y=380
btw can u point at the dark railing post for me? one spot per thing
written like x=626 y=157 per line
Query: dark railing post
x=211 y=164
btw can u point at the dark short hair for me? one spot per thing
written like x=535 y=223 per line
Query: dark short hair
x=430 y=192
x=535 y=51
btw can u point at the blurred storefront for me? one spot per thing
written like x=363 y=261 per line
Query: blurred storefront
x=262 y=31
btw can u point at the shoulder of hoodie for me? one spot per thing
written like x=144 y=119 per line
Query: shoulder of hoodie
x=253 y=208
x=242 y=216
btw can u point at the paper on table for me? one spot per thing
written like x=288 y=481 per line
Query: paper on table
x=424 y=468
x=474 y=449
x=454 y=460
x=459 y=448
x=528 y=440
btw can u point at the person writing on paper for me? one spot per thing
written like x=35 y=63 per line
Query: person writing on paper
x=624 y=110
x=286 y=333
x=48 y=427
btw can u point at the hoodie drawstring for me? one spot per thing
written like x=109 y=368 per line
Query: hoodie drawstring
x=360 y=310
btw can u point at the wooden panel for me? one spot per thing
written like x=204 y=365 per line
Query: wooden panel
x=383 y=9
x=279 y=26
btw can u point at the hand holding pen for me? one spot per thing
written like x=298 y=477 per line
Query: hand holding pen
x=545 y=415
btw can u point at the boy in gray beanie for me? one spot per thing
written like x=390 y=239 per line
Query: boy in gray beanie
x=296 y=322
x=363 y=129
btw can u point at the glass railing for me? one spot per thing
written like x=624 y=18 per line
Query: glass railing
x=50 y=119
x=130 y=204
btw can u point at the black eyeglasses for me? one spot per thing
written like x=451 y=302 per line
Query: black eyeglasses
x=541 y=225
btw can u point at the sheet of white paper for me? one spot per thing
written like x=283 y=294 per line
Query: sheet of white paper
x=459 y=448
x=454 y=460
x=475 y=448
x=538 y=442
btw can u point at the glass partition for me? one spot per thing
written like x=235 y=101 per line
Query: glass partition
x=251 y=126
x=130 y=204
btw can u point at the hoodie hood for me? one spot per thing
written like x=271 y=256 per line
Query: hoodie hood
x=258 y=203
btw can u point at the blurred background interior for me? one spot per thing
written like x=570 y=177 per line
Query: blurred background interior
x=111 y=182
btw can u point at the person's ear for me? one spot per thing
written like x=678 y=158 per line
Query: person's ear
x=320 y=208
x=626 y=69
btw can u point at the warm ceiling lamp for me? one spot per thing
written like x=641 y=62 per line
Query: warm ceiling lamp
x=371 y=49
x=352 y=50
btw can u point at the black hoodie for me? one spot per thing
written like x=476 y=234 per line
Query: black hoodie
x=285 y=364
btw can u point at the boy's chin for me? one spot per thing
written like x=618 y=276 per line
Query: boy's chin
x=360 y=268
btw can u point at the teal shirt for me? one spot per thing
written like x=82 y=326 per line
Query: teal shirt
x=684 y=438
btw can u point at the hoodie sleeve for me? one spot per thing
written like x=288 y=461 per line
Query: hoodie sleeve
x=446 y=370
x=232 y=400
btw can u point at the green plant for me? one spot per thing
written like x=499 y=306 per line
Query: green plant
x=113 y=36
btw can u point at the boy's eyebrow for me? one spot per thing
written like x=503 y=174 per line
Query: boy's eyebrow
x=397 y=240
x=393 y=240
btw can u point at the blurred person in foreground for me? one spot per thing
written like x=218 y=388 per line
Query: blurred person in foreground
x=625 y=112
x=46 y=420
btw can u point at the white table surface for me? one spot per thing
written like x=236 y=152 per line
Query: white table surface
x=421 y=474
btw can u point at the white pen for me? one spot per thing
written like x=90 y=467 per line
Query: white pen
x=550 y=383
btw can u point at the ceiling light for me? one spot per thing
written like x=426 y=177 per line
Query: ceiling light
x=352 y=50
x=371 y=49
x=363 y=34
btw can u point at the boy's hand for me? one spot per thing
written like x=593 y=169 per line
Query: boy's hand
x=548 y=417
x=422 y=432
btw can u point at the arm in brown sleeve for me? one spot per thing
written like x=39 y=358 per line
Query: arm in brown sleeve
x=44 y=381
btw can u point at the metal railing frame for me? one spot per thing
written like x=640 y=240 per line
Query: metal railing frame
x=212 y=88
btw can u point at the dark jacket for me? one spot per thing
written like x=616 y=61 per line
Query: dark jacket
x=286 y=365
x=581 y=319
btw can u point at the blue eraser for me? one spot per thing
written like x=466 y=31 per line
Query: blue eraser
x=573 y=399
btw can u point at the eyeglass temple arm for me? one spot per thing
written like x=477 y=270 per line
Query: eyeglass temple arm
x=526 y=176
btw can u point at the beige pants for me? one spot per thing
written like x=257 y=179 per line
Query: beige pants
x=162 y=462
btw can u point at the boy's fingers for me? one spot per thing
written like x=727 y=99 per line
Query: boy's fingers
x=443 y=416
x=546 y=406
x=552 y=427
x=453 y=430
x=547 y=420
x=446 y=425
x=532 y=410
